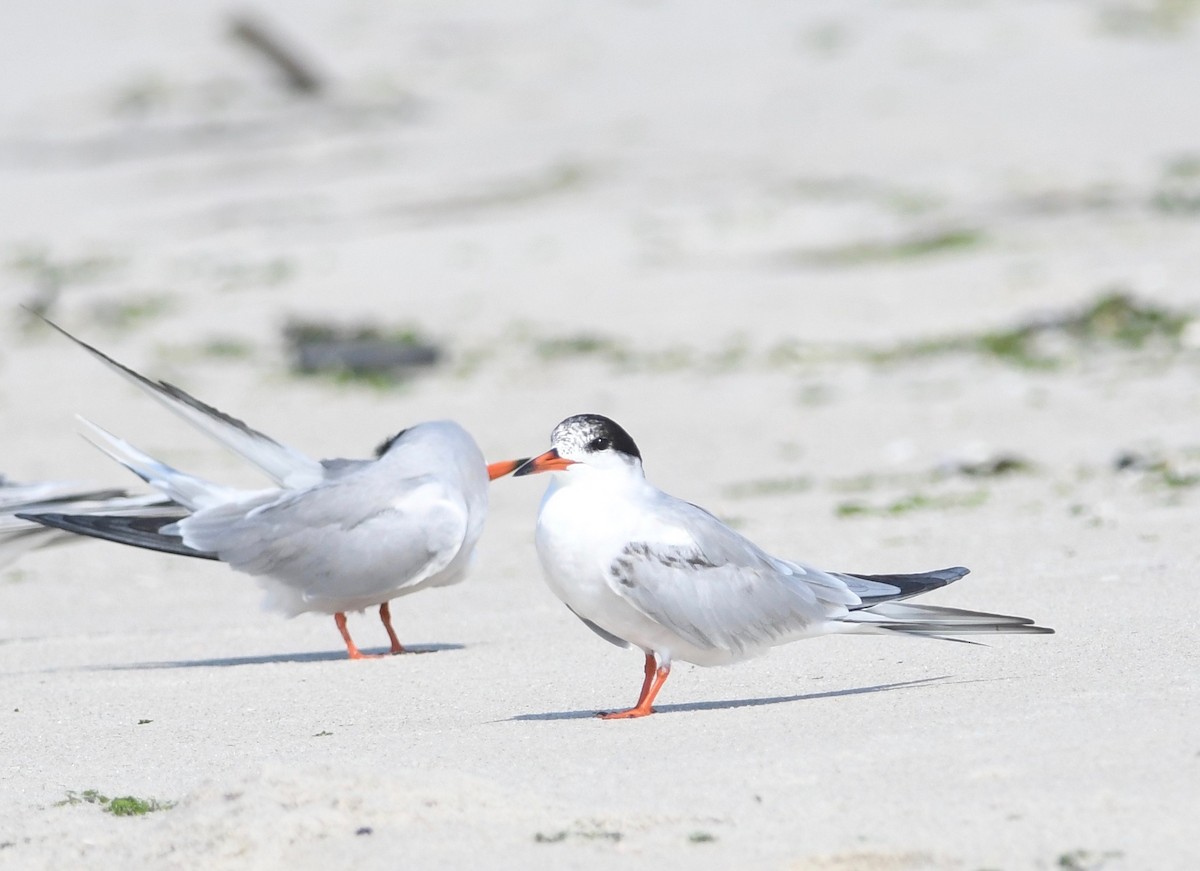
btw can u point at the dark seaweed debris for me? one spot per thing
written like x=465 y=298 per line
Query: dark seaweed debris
x=358 y=352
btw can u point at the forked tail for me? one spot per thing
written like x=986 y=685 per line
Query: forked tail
x=936 y=622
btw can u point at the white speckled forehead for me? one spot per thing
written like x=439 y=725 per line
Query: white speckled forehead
x=577 y=432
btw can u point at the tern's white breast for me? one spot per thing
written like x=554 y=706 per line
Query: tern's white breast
x=581 y=532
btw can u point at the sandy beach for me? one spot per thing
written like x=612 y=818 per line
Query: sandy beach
x=888 y=287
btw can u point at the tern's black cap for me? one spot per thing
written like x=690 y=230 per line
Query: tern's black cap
x=592 y=433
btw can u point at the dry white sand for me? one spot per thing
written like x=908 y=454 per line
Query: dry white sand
x=702 y=186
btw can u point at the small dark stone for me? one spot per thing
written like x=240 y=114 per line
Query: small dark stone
x=1130 y=460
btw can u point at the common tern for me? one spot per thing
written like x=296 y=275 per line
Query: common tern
x=642 y=568
x=334 y=535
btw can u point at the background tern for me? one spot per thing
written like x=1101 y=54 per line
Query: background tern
x=334 y=536
x=643 y=568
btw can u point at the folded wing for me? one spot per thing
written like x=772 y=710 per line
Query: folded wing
x=718 y=590
x=349 y=538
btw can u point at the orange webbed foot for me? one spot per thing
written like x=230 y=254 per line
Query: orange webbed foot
x=630 y=714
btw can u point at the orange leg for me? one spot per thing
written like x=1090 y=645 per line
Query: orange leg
x=385 y=614
x=655 y=678
x=651 y=667
x=351 y=648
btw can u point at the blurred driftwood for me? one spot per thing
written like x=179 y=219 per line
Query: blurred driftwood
x=298 y=74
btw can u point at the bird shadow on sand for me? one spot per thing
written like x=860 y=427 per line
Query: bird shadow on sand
x=267 y=659
x=728 y=704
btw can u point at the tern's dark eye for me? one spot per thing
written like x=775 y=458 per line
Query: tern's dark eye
x=599 y=444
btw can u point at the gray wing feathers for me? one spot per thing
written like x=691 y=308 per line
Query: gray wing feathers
x=281 y=463
x=185 y=489
x=728 y=607
x=723 y=545
x=31 y=497
x=336 y=468
x=720 y=590
x=138 y=530
x=335 y=541
x=20 y=504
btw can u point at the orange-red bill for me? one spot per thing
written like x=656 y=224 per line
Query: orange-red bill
x=547 y=462
x=504 y=467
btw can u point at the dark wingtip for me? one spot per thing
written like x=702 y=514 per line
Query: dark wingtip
x=43 y=519
x=131 y=529
x=525 y=467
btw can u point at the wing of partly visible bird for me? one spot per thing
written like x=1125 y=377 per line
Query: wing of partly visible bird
x=337 y=541
x=22 y=497
x=708 y=584
x=21 y=531
x=286 y=466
